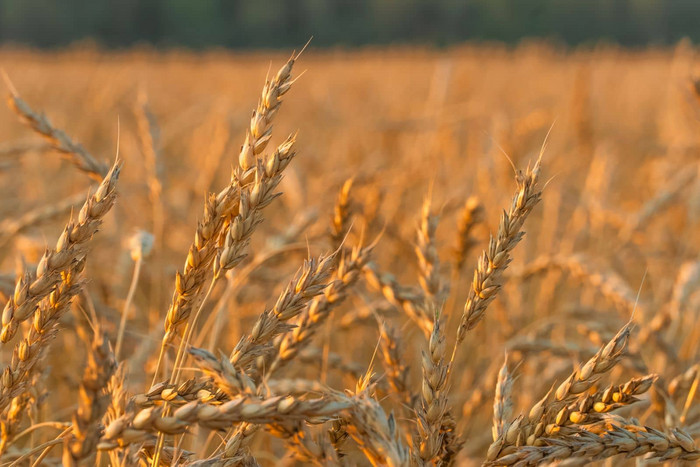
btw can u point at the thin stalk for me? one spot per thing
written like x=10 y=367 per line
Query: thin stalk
x=177 y=367
x=46 y=446
x=161 y=353
x=127 y=305
x=57 y=425
x=159 y=447
x=215 y=322
x=691 y=396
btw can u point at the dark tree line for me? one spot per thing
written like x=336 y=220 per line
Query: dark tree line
x=288 y=23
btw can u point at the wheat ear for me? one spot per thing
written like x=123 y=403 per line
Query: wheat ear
x=58 y=139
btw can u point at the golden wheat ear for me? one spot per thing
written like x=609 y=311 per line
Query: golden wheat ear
x=57 y=138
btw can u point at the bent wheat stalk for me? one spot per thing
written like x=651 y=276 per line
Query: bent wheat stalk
x=58 y=139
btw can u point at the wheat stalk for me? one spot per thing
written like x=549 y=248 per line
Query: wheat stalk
x=631 y=440
x=342 y=215
x=551 y=412
x=428 y=439
x=135 y=427
x=93 y=403
x=493 y=261
x=225 y=205
x=471 y=215
x=71 y=247
x=61 y=267
x=428 y=259
x=57 y=138
x=291 y=343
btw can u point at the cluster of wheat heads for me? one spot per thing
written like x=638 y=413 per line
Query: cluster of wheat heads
x=207 y=405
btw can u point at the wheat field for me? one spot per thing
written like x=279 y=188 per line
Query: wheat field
x=394 y=257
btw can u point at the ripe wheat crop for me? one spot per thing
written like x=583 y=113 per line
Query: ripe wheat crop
x=397 y=258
